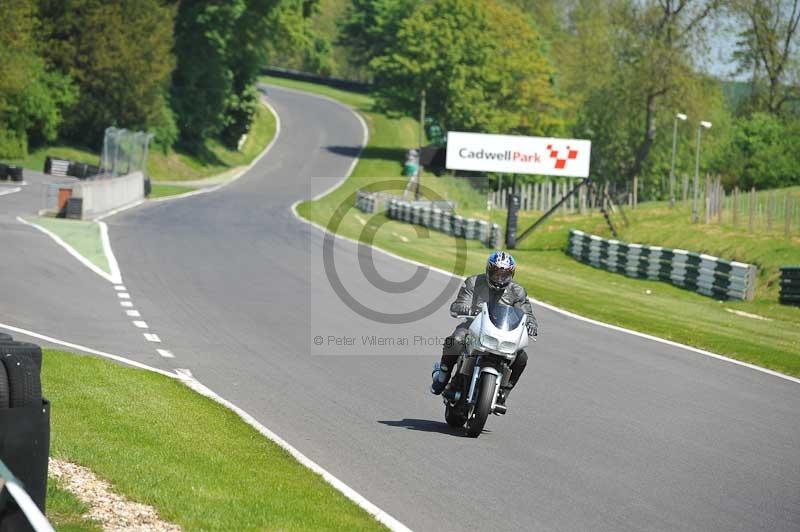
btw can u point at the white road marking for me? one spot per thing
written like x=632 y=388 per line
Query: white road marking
x=140 y=324
x=126 y=303
x=85 y=349
x=390 y=522
x=133 y=313
x=560 y=310
x=185 y=376
x=113 y=266
x=401 y=237
x=151 y=337
x=123 y=295
x=10 y=191
x=83 y=260
x=361 y=220
x=165 y=353
x=119 y=288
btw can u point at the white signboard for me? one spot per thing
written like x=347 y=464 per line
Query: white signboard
x=518 y=155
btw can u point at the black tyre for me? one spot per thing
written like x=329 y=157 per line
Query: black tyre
x=476 y=422
x=32 y=351
x=454 y=416
x=23 y=381
x=5 y=393
x=5 y=337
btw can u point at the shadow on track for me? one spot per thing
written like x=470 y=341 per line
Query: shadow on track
x=424 y=425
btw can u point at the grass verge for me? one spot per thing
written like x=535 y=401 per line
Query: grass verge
x=177 y=165
x=159 y=443
x=553 y=277
x=65 y=512
x=161 y=191
x=82 y=235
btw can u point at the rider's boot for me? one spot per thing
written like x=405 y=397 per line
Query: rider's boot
x=503 y=397
x=440 y=376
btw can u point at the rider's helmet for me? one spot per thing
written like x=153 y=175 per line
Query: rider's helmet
x=500 y=270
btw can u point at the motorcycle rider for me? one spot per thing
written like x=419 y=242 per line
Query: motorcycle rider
x=494 y=285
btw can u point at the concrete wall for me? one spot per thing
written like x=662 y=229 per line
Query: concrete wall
x=104 y=195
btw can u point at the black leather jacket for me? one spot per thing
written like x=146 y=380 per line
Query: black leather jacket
x=476 y=290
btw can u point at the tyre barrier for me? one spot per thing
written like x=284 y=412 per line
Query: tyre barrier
x=444 y=221
x=66 y=168
x=24 y=428
x=11 y=172
x=704 y=274
x=790 y=285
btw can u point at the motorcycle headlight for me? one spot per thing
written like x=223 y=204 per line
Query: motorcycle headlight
x=489 y=341
x=508 y=347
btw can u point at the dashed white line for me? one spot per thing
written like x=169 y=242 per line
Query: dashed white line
x=119 y=288
x=140 y=324
x=9 y=191
x=150 y=337
x=133 y=313
x=165 y=353
x=126 y=303
x=123 y=295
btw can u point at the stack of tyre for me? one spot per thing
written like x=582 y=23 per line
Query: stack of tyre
x=10 y=172
x=790 y=285
x=24 y=426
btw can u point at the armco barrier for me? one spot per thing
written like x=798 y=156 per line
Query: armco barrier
x=444 y=221
x=707 y=275
x=790 y=285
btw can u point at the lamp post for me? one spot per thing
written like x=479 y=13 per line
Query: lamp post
x=682 y=117
x=706 y=125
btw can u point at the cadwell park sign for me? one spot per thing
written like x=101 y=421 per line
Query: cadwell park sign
x=518 y=154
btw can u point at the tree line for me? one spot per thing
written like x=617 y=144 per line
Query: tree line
x=184 y=71
x=613 y=71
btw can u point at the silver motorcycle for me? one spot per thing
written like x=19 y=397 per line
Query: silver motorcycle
x=495 y=336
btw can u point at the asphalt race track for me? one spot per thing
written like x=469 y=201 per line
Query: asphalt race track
x=607 y=431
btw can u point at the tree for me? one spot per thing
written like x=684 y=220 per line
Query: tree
x=31 y=96
x=119 y=54
x=768 y=50
x=369 y=27
x=481 y=64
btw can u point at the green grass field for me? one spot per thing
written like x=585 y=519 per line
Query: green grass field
x=176 y=165
x=65 y=512
x=82 y=235
x=160 y=443
x=159 y=190
x=553 y=277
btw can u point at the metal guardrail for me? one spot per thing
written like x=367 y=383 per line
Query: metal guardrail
x=704 y=274
x=32 y=512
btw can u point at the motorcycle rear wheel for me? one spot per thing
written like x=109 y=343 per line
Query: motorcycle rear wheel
x=476 y=422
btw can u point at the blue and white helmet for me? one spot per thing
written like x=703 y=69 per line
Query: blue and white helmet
x=500 y=269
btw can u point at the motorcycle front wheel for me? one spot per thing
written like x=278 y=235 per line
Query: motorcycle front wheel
x=454 y=415
x=476 y=422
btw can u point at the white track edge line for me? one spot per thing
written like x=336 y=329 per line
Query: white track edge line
x=86 y=350
x=10 y=191
x=113 y=265
x=242 y=172
x=197 y=386
x=562 y=311
x=381 y=516
x=83 y=260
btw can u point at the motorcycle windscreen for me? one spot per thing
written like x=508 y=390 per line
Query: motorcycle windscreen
x=504 y=317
